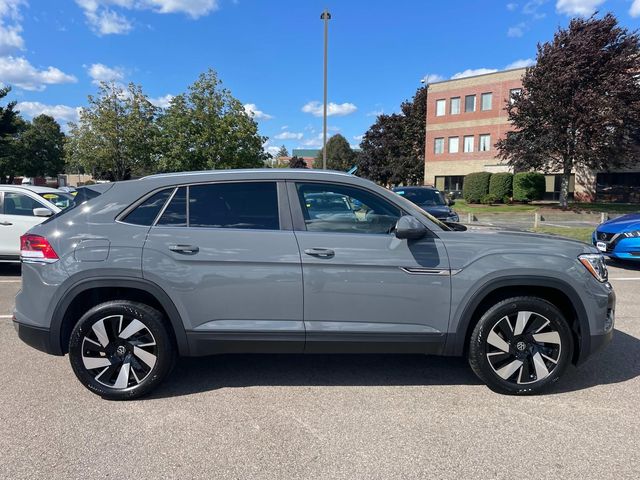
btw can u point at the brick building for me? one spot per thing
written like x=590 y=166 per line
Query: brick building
x=465 y=119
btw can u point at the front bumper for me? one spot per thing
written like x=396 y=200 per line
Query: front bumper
x=36 y=337
x=598 y=340
x=618 y=246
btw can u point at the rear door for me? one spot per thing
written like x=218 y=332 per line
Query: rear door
x=16 y=217
x=226 y=254
x=363 y=287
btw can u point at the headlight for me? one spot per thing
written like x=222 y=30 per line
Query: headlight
x=635 y=234
x=452 y=218
x=594 y=262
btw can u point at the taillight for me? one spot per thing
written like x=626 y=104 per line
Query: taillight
x=34 y=248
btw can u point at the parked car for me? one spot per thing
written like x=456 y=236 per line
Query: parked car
x=22 y=207
x=234 y=261
x=619 y=238
x=430 y=199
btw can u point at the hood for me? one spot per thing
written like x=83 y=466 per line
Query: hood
x=438 y=211
x=625 y=223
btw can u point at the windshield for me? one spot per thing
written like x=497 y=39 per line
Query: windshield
x=422 y=196
x=60 y=200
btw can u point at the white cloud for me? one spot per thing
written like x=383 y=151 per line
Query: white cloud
x=337 y=109
x=289 y=136
x=284 y=127
x=512 y=6
x=358 y=137
x=252 y=110
x=582 y=8
x=99 y=72
x=10 y=27
x=432 y=78
x=531 y=8
x=471 y=72
x=62 y=113
x=375 y=113
x=314 y=142
x=19 y=72
x=634 y=11
x=516 y=31
x=193 y=8
x=522 y=63
x=162 y=102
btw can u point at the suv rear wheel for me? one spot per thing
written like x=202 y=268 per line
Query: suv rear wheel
x=121 y=350
x=521 y=346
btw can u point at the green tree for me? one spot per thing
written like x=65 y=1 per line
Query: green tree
x=283 y=152
x=340 y=156
x=579 y=108
x=116 y=135
x=207 y=128
x=297 y=162
x=10 y=124
x=40 y=148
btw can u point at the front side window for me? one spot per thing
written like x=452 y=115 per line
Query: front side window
x=20 y=204
x=343 y=209
x=438 y=146
x=485 y=143
x=470 y=103
x=454 y=144
x=455 y=105
x=250 y=205
x=468 y=143
x=60 y=200
x=440 y=107
x=485 y=101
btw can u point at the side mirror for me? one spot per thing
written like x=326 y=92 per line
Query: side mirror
x=410 y=228
x=42 y=212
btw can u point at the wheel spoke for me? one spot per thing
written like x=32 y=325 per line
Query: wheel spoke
x=540 y=366
x=547 y=337
x=145 y=356
x=509 y=369
x=494 y=339
x=134 y=327
x=123 y=377
x=101 y=332
x=95 y=362
x=521 y=322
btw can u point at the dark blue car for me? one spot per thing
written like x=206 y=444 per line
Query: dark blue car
x=431 y=200
x=619 y=238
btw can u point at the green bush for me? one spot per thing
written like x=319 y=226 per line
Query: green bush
x=488 y=199
x=501 y=185
x=528 y=186
x=476 y=185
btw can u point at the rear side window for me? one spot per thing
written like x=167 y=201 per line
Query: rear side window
x=147 y=211
x=251 y=205
x=175 y=215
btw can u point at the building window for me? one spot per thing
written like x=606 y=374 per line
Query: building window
x=468 y=143
x=455 y=105
x=438 y=145
x=440 y=107
x=513 y=92
x=485 y=143
x=485 y=101
x=451 y=184
x=470 y=103
x=454 y=144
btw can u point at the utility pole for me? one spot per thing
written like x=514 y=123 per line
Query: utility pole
x=326 y=16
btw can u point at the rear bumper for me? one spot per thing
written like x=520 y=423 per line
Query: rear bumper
x=36 y=337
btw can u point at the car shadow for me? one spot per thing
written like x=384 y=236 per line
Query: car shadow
x=618 y=362
x=631 y=265
x=10 y=269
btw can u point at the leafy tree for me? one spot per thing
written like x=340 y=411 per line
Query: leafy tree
x=116 y=135
x=340 y=156
x=40 y=148
x=207 y=128
x=415 y=112
x=297 y=162
x=10 y=124
x=283 y=152
x=580 y=104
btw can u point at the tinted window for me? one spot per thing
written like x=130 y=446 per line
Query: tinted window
x=19 y=204
x=175 y=214
x=147 y=211
x=422 y=196
x=251 y=205
x=336 y=208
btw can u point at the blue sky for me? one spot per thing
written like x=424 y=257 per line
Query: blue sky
x=269 y=53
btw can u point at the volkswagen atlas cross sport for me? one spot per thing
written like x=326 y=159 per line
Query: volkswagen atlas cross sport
x=261 y=261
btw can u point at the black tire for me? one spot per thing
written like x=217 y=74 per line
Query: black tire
x=118 y=368
x=510 y=360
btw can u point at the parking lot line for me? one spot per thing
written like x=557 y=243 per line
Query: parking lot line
x=6 y=316
x=625 y=278
x=11 y=281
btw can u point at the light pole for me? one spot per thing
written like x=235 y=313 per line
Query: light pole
x=326 y=16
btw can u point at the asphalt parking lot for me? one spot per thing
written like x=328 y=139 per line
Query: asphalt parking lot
x=290 y=417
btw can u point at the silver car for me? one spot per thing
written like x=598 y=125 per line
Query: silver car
x=251 y=261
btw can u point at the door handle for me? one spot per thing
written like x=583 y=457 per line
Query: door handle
x=320 y=252
x=184 y=249
x=6 y=223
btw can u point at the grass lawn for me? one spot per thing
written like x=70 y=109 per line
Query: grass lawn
x=606 y=207
x=577 y=233
x=462 y=207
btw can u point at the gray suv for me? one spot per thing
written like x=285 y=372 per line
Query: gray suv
x=299 y=261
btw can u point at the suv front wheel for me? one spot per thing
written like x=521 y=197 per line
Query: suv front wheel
x=121 y=350
x=521 y=346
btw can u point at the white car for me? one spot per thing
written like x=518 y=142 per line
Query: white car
x=22 y=207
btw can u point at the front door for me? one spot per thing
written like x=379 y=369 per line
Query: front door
x=224 y=254
x=363 y=287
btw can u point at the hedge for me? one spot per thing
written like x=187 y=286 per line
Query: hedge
x=528 y=186
x=501 y=185
x=476 y=186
